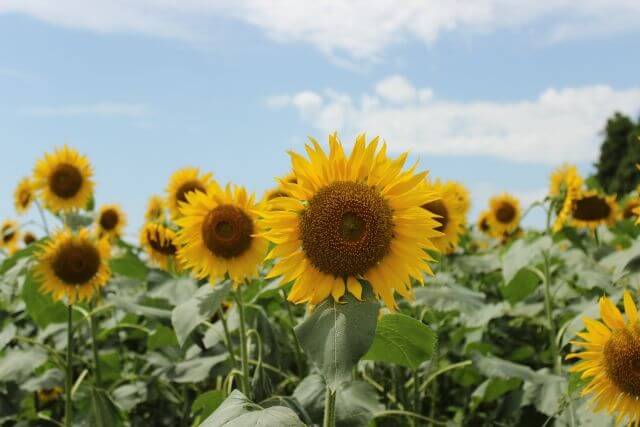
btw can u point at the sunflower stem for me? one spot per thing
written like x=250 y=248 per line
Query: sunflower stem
x=296 y=347
x=227 y=338
x=244 y=359
x=69 y=374
x=93 y=322
x=42 y=217
x=329 y=419
x=416 y=391
x=548 y=303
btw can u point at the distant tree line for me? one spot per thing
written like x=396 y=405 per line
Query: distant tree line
x=616 y=170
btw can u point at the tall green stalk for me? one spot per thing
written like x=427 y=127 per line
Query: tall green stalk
x=69 y=374
x=329 y=419
x=548 y=304
x=244 y=357
x=96 y=359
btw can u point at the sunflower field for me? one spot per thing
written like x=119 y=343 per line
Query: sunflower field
x=356 y=292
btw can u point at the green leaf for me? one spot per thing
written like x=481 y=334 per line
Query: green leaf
x=402 y=340
x=161 y=337
x=194 y=370
x=520 y=286
x=128 y=396
x=129 y=265
x=16 y=364
x=7 y=334
x=206 y=403
x=40 y=306
x=103 y=412
x=443 y=294
x=76 y=221
x=522 y=254
x=47 y=380
x=188 y=315
x=10 y=262
x=238 y=411
x=336 y=335
x=356 y=404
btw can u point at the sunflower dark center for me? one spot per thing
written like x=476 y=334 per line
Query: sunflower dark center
x=76 y=263
x=622 y=360
x=29 y=238
x=188 y=187
x=164 y=246
x=591 y=208
x=65 y=181
x=484 y=225
x=346 y=229
x=109 y=219
x=25 y=198
x=8 y=233
x=505 y=213
x=437 y=207
x=226 y=231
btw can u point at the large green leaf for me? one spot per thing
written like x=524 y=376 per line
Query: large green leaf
x=337 y=334
x=194 y=370
x=188 y=315
x=161 y=336
x=402 y=340
x=522 y=254
x=6 y=334
x=40 y=306
x=17 y=364
x=206 y=403
x=129 y=265
x=520 y=286
x=238 y=411
x=103 y=412
x=129 y=396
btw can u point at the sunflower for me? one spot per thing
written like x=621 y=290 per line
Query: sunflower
x=462 y=195
x=562 y=177
x=23 y=196
x=28 y=238
x=571 y=189
x=111 y=221
x=218 y=235
x=591 y=209
x=183 y=182
x=630 y=208
x=504 y=214
x=351 y=217
x=483 y=223
x=280 y=191
x=155 y=209
x=610 y=359
x=64 y=180
x=9 y=236
x=159 y=242
x=449 y=209
x=47 y=395
x=73 y=265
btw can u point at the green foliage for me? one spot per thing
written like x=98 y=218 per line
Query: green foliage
x=619 y=154
x=402 y=340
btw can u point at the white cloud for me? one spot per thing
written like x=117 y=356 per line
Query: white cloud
x=104 y=109
x=559 y=125
x=359 y=28
x=396 y=89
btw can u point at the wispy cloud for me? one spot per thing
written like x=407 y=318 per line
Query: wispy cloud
x=103 y=109
x=357 y=28
x=559 y=125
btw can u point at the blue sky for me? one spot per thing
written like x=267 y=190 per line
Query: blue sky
x=492 y=97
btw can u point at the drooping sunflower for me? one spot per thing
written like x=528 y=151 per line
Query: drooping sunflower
x=63 y=180
x=591 y=209
x=351 y=217
x=219 y=234
x=449 y=209
x=23 y=196
x=504 y=214
x=155 y=209
x=159 y=242
x=569 y=191
x=562 y=177
x=47 y=395
x=185 y=181
x=280 y=191
x=609 y=359
x=483 y=222
x=73 y=265
x=9 y=236
x=111 y=221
